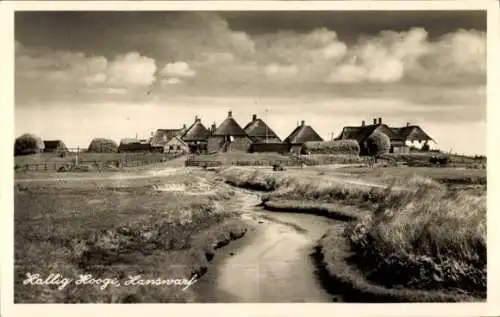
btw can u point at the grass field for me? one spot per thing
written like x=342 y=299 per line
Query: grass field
x=417 y=233
x=119 y=228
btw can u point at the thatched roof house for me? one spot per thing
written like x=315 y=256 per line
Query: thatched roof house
x=259 y=131
x=411 y=133
x=134 y=145
x=162 y=136
x=229 y=127
x=54 y=146
x=229 y=136
x=197 y=132
x=303 y=133
x=400 y=136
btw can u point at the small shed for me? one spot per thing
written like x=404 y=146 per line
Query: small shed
x=54 y=146
x=176 y=145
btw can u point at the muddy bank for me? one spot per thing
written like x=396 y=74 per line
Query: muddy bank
x=339 y=274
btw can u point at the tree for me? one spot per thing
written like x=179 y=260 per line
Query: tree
x=377 y=144
x=28 y=144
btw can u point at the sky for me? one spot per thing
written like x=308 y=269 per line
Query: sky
x=80 y=75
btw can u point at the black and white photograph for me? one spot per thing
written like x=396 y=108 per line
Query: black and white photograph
x=250 y=156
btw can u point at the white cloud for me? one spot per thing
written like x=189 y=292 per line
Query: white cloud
x=178 y=70
x=131 y=69
x=77 y=70
x=393 y=57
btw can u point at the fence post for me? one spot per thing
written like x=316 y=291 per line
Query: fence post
x=77 y=151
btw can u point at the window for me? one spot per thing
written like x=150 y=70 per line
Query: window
x=178 y=147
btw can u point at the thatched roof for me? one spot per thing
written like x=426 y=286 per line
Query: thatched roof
x=361 y=133
x=129 y=144
x=53 y=144
x=257 y=128
x=162 y=136
x=229 y=127
x=303 y=133
x=196 y=132
x=411 y=133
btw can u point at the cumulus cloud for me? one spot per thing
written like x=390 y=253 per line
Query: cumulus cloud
x=201 y=47
x=131 y=69
x=77 y=70
x=178 y=70
x=395 y=56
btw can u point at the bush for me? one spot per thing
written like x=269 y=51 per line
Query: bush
x=378 y=143
x=332 y=147
x=28 y=144
x=101 y=145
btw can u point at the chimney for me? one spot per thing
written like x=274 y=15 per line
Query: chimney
x=214 y=126
x=374 y=121
x=184 y=126
x=229 y=114
x=379 y=120
x=363 y=123
x=407 y=124
x=254 y=117
x=196 y=119
x=302 y=123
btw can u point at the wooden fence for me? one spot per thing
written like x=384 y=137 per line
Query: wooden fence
x=202 y=163
x=97 y=164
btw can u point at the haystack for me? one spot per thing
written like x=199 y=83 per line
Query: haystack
x=102 y=145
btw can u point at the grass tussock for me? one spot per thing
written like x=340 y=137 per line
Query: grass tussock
x=116 y=233
x=419 y=235
x=431 y=241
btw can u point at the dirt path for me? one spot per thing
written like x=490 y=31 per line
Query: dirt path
x=272 y=263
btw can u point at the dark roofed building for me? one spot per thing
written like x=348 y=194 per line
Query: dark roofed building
x=411 y=133
x=134 y=145
x=54 y=146
x=196 y=136
x=259 y=131
x=303 y=133
x=163 y=136
x=197 y=132
x=400 y=137
x=229 y=127
x=229 y=136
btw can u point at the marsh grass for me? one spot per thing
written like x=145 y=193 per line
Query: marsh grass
x=419 y=234
x=113 y=231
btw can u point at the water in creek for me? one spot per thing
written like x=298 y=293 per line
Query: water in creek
x=272 y=264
